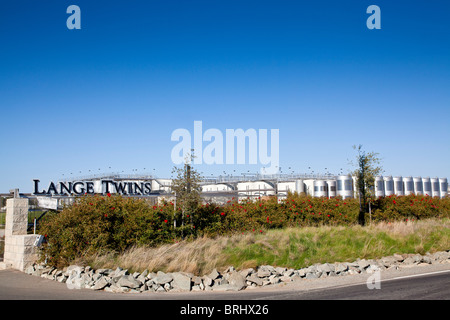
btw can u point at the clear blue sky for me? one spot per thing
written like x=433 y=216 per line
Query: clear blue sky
x=111 y=94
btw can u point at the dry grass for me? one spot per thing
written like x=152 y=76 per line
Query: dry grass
x=294 y=247
x=402 y=228
x=199 y=256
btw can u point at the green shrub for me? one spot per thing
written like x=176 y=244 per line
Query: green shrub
x=99 y=224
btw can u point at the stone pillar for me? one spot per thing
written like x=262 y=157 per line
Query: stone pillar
x=16 y=216
x=19 y=247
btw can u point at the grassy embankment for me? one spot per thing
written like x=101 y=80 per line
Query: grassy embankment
x=289 y=247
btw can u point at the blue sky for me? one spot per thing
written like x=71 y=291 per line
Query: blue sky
x=112 y=93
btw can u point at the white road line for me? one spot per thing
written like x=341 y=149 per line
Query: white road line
x=415 y=275
x=359 y=283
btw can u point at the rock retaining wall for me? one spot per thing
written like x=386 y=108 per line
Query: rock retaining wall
x=120 y=280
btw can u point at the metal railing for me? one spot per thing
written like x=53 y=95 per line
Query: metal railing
x=266 y=177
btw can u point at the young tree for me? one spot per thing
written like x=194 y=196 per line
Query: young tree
x=367 y=168
x=187 y=189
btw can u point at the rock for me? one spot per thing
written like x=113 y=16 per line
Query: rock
x=274 y=279
x=143 y=288
x=372 y=268
x=388 y=261
x=426 y=259
x=119 y=280
x=196 y=288
x=288 y=273
x=341 y=267
x=97 y=276
x=263 y=272
x=280 y=270
x=325 y=268
x=302 y=272
x=409 y=261
x=237 y=281
x=30 y=269
x=145 y=273
x=285 y=279
x=74 y=281
x=196 y=280
x=141 y=278
x=151 y=275
x=160 y=289
x=207 y=281
x=441 y=256
x=162 y=278
x=220 y=281
x=181 y=281
x=247 y=272
x=214 y=274
x=311 y=269
x=74 y=268
x=37 y=272
x=102 y=271
x=120 y=272
x=362 y=264
x=167 y=286
x=129 y=281
x=311 y=275
x=100 y=284
x=266 y=283
x=230 y=269
x=398 y=257
x=255 y=279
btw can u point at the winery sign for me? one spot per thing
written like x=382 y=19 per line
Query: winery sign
x=132 y=188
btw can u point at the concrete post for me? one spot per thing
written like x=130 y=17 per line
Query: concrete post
x=19 y=247
x=16 y=216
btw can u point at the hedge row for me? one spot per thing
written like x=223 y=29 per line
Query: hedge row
x=95 y=224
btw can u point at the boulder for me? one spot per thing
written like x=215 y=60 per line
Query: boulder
x=255 y=279
x=273 y=279
x=263 y=272
x=280 y=270
x=285 y=279
x=181 y=281
x=398 y=257
x=214 y=274
x=325 y=267
x=207 y=281
x=247 y=272
x=237 y=281
x=311 y=275
x=129 y=281
x=288 y=273
x=100 y=284
x=363 y=264
x=341 y=267
x=162 y=278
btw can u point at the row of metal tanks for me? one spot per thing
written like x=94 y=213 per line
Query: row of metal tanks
x=434 y=187
x=344 y=186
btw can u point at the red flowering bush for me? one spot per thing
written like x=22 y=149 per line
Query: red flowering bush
x=112 y=223
x=410 y=207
